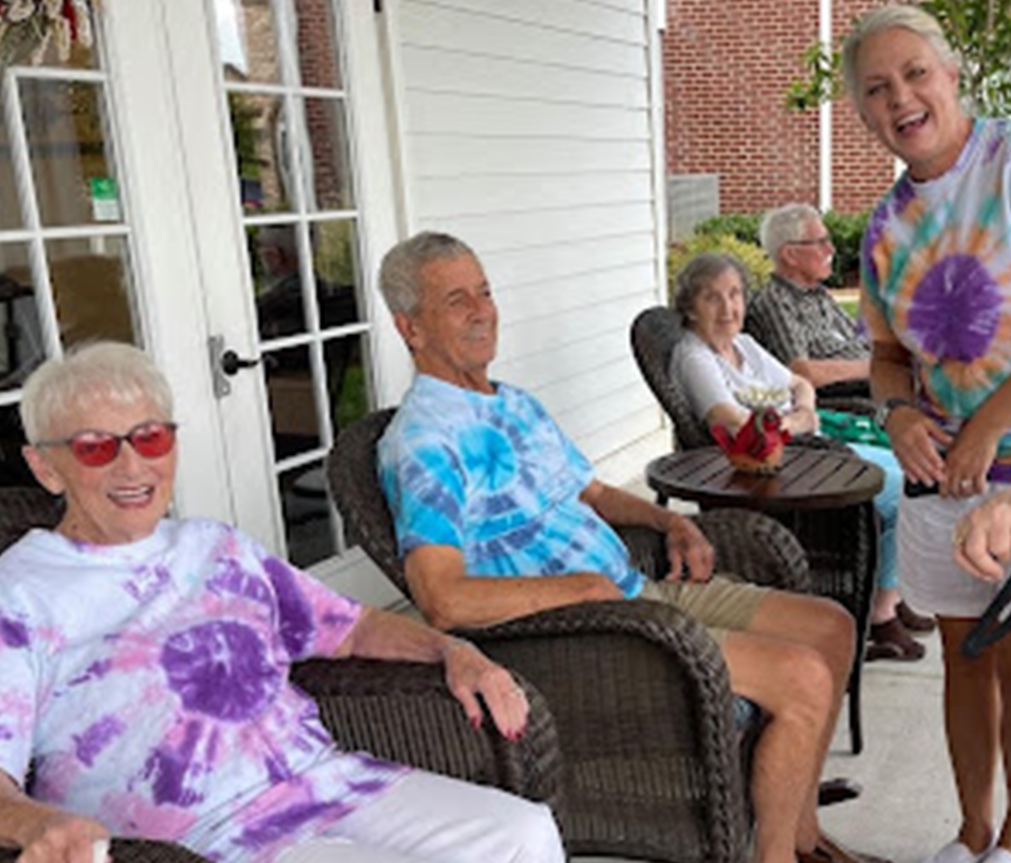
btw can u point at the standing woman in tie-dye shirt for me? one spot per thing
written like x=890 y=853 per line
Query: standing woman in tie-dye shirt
x=937 y=301
x=144 y=666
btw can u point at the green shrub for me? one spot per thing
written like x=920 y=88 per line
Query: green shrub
x=744 y=226
x=847 y=233
x=754 y=259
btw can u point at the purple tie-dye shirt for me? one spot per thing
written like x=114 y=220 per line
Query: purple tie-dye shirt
x=148 y=683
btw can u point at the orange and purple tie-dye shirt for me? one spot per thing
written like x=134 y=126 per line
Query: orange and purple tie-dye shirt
x=936 y=265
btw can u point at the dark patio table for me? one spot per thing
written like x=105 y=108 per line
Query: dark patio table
x=808 y=479
x=825 y=496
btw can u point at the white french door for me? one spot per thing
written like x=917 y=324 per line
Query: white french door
x=217 y=190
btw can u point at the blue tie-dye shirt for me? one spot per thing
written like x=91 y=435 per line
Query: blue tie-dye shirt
x=494 y=476
x=149 y=684
x=936 y=267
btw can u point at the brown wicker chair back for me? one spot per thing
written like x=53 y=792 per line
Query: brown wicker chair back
x=655 y=333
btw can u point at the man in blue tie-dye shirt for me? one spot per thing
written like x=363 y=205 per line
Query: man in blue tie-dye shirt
x=498 y=515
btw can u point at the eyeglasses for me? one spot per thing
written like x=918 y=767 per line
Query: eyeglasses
x=97 y=448
x=817 y=241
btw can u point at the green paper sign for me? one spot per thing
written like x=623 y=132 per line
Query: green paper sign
x=104 y=199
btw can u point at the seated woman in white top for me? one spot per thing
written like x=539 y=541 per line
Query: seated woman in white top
x=715 y=362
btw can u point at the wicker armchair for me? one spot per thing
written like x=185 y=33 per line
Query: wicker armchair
x=652 y=760
x=400 y=711
x=840 y=545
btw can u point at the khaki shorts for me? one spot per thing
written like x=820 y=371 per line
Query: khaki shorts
x=720 y=605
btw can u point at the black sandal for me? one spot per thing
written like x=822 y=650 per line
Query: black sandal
x=890 y=640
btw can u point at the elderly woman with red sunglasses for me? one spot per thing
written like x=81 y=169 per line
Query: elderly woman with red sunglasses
x=144 y=665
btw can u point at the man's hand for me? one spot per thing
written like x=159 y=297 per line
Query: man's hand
x=982 y=540
x=687 y=547
x=59 y=837
x=470 y=673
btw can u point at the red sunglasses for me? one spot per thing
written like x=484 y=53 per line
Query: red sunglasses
x=97 y=448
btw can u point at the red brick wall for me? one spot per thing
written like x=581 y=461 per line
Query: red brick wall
x=727 y=66
x=861 y=168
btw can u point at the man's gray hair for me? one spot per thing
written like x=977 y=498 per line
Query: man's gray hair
x=785 y=224
x=698 y=274
x=400 y=272
x=905 y=16
x=86 y=375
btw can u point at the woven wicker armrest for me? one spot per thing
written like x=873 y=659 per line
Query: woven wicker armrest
x=748 y=545
x=849 y=404
x=643 y=706
x=756 y=548
x=403 y=711
x=133 y=851
x=859 y=388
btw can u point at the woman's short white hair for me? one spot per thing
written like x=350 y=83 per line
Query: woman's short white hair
x=400 y=272
x=900 y=15
x=86 y=375
x=785 y=224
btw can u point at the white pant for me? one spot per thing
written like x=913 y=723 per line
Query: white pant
x=427 y=817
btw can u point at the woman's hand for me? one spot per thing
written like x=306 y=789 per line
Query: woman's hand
x=60 y=837
x=687 y=548
x=470 y=673
x=915 y=438
x=967 y=461
x=982 y=540
x=801 y=420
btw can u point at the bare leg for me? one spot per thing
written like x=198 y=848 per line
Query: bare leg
x=794 y=686
x=971 y=711
x=1002 y=657
x=826 y=628
x=886 y=604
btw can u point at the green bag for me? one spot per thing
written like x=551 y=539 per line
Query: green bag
x=852 y=428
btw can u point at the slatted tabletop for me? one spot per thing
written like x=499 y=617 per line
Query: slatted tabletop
x=808 y=479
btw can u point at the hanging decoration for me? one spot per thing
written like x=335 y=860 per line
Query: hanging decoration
x=28 y=27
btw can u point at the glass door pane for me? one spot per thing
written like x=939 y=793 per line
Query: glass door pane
x=283 y=75
x=65 y=240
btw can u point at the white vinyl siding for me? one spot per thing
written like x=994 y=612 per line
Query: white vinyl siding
x=527 y=128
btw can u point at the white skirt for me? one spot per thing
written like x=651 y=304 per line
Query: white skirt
x=929 y=579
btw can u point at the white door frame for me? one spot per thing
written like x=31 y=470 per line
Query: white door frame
x=190 y=246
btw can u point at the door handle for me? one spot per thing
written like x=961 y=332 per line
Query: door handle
x=224 y=364
x=231 y=362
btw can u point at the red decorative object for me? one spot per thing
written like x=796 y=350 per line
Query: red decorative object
x=758 y=445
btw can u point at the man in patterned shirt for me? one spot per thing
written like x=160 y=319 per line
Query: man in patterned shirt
x=793 y=316
x=796 y=319
x=498 y=515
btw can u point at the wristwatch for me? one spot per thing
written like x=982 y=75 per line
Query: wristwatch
x=884 y=411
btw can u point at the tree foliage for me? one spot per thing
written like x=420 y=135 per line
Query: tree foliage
x=979 y=30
